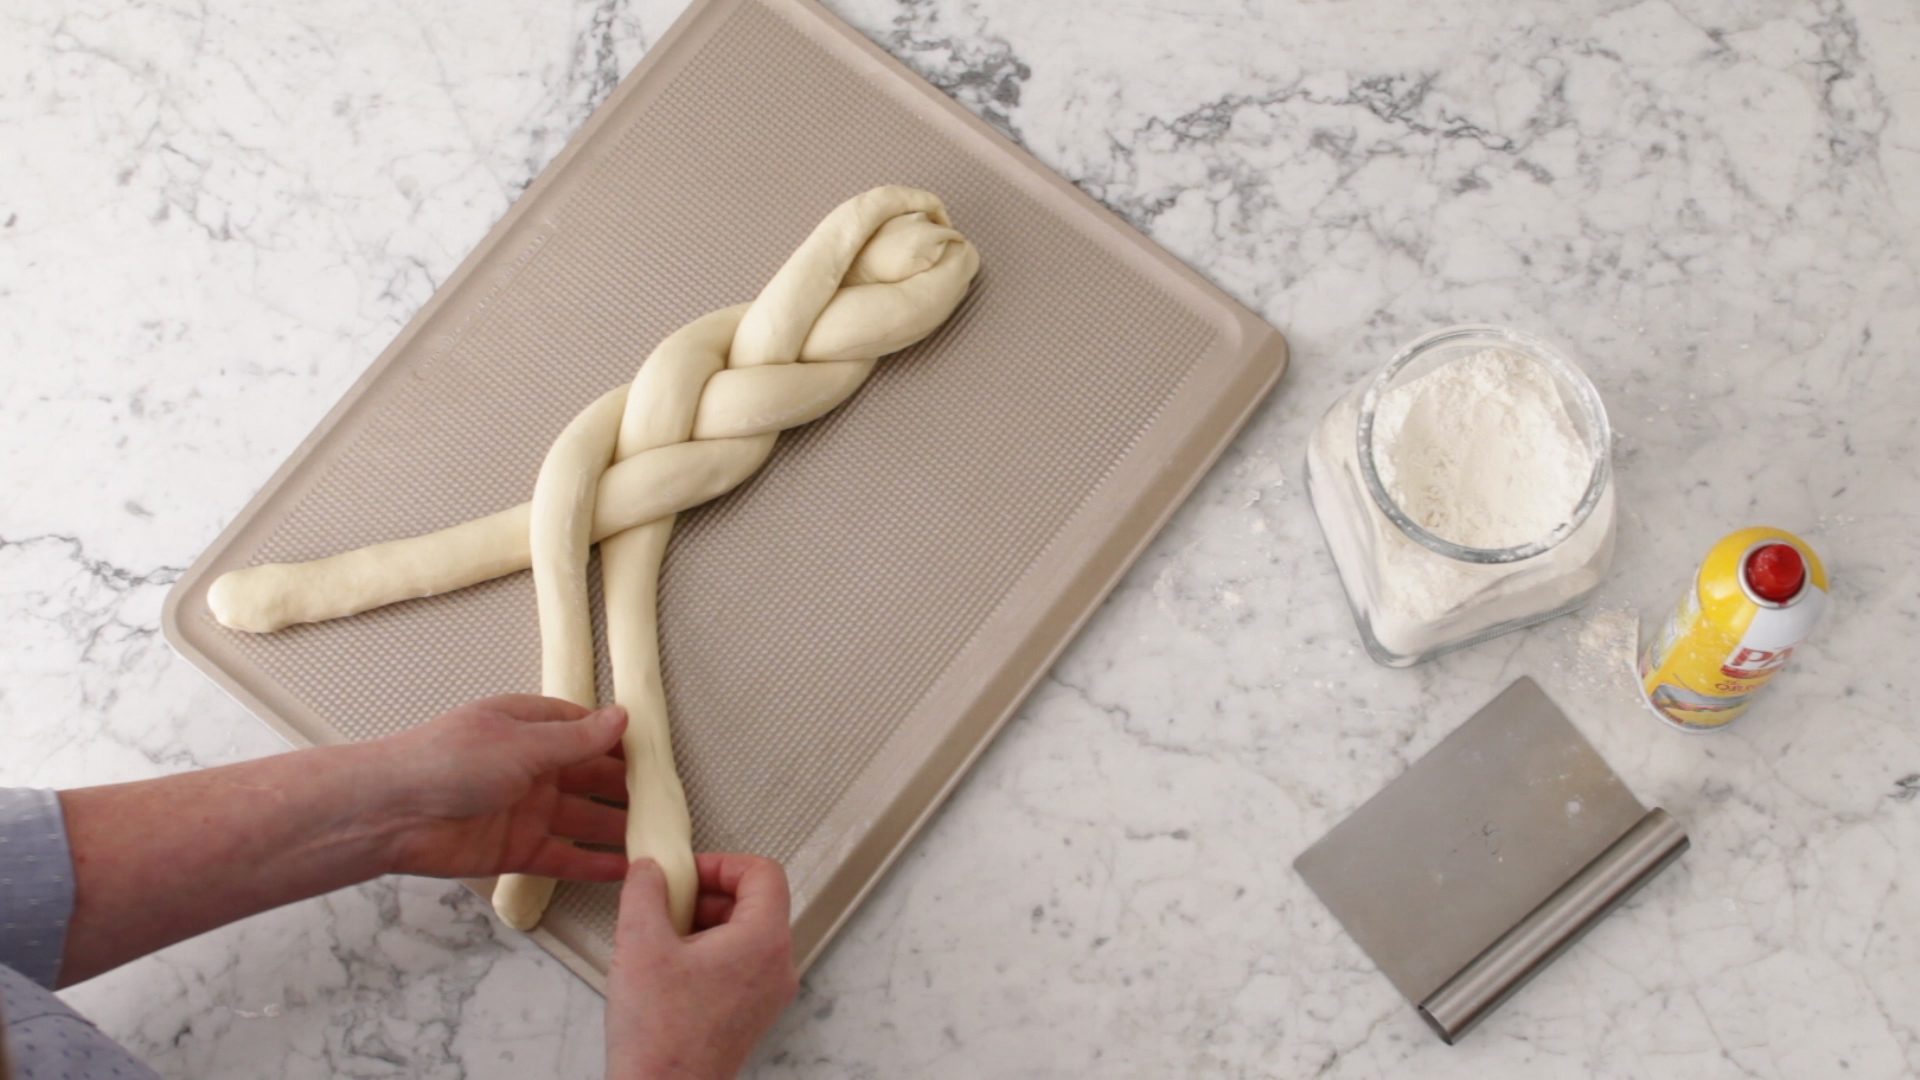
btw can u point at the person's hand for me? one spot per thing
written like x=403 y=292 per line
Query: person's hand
x=502 y=785
x=694 y=1007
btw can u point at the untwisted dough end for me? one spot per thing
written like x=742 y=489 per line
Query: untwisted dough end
x=244 y=599
x=521 y=899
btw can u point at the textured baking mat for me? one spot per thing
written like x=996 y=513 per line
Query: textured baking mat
x=843 y=634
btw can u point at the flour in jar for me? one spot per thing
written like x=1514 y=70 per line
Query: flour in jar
x=1481 y=451
x=1493 y=448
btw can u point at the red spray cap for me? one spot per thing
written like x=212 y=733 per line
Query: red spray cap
x=1775 y=572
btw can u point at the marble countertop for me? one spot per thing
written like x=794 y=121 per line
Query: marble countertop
x=212 y=218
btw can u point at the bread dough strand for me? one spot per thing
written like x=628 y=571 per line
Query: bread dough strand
x=564 y=495
x=273 y=596
x=656 y=409
x=660 y=411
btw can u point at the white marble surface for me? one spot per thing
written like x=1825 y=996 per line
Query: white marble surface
x=212 y=217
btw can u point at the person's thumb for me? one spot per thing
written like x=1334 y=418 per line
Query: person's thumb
x=569 y=742
x=644 y=922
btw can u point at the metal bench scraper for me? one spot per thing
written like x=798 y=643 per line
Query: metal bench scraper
x=1488 y=858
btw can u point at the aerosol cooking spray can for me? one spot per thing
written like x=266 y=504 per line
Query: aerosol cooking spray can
x=1758 y=594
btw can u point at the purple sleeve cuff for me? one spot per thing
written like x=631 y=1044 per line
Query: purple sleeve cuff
x=36 y=883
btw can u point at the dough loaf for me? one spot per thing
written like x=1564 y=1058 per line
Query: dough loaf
x=880 y=272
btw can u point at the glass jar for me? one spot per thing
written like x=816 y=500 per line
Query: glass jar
x=1416 y=595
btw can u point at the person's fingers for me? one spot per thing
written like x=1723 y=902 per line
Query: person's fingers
x=758 y=886
x=706 y=865
x=722 y=871
x=534 y=709
x=711 y=910
x=605 y=777
x=582 y=819
x=760 y=897
x=644 y=924
x=556 y=858
x=558 y=745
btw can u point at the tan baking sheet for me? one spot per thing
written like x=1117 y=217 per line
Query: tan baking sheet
x=843 y=634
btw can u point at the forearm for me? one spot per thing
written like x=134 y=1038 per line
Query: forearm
x=160 y=861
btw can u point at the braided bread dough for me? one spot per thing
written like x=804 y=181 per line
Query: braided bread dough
x=879 y=273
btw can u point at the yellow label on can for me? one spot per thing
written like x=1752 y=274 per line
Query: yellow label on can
x=1723 y=643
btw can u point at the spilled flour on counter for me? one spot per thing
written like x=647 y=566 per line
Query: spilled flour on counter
x=1481 y=451
x=1606 y=644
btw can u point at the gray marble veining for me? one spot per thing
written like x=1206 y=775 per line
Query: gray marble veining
x=212 y=218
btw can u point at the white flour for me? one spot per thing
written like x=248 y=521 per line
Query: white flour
x=1606 y=646
x=1481 y=451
